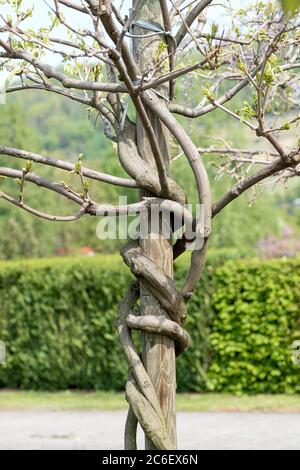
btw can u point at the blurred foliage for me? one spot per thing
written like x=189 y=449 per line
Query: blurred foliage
x=290 y=5
x=63 y=129
x=59 y=129
x=57 y=320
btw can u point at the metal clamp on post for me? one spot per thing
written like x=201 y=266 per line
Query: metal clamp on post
x=155 y=31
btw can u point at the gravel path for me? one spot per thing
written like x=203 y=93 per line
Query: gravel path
x=103 y=430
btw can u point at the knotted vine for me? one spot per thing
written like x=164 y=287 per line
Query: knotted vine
x=104 y=72
x=140 y=393
x=144 y=406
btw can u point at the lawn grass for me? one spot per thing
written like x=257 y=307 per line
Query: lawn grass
x=80 y=401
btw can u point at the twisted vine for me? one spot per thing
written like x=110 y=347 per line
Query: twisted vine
x=143 y=146
x=143 y=402
x=144 y=406
x=153 y=116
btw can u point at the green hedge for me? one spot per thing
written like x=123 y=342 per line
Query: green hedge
x=57 y=320
x=256 y=320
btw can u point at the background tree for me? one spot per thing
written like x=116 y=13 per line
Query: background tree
x=133 y=92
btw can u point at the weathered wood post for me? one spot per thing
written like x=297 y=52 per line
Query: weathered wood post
x=158 y=350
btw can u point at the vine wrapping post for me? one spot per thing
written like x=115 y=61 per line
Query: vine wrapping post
x=257 y=51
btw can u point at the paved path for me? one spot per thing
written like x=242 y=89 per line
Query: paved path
x=103 y=430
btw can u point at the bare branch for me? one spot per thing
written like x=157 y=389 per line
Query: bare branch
x=52 y=72
x=74 y=5
x=128 y=23
x=189 y=20
x=232 y=151
x=278 y=165
x=128 y=75
x=61 y=164
x=170 y=42
x=44 y=215
x=193 y=113
x=50 y=88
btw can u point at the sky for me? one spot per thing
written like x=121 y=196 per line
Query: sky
x=41 y=13
x=41 y=19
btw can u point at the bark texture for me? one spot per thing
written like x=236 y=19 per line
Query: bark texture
x=158 y=349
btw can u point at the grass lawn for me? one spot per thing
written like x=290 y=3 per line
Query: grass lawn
x=76 y=400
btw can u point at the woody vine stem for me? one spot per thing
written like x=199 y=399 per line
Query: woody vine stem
x=139 y=61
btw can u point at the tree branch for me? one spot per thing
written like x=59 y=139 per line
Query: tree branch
x=189 y=20
x=61 y=164
x=278 y=165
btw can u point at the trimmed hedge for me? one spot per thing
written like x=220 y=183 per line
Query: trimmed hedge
x=57 y=320
x=256 y=320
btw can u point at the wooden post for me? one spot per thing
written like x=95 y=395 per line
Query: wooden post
x=158 y=350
